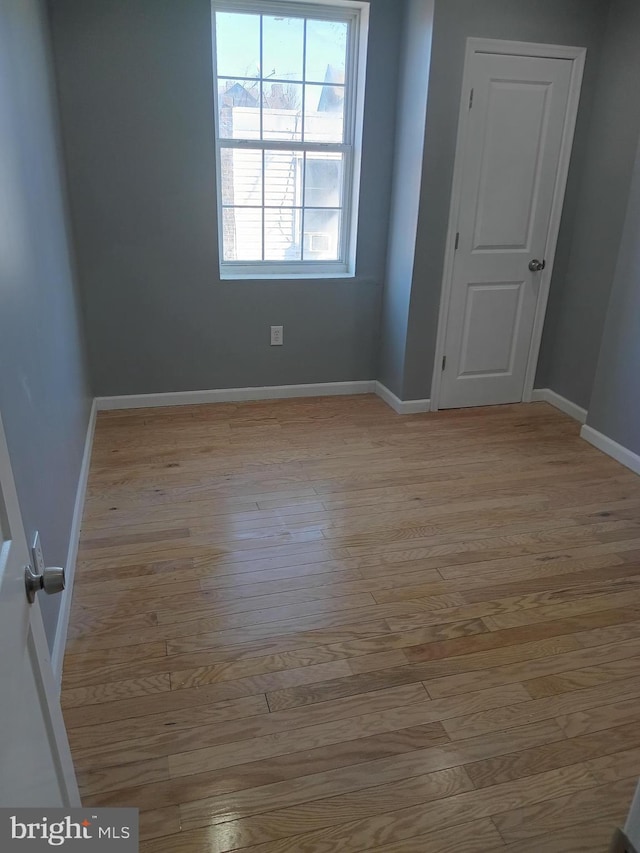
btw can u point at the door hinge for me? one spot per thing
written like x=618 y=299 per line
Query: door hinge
x=444 y=362
x=471 y=99
x=457 y=241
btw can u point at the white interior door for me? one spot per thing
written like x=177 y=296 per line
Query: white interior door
x=35 y=761
x=514 y=140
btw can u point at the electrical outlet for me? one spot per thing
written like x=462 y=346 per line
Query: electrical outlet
x=277 y=336
x=36 y=553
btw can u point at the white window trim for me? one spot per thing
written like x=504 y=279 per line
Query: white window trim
x=357 y=13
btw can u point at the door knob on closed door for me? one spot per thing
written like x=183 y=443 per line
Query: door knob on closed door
x=536 y=266
x=51 y=581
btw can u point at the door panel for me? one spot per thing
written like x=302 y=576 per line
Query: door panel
x=517 y=121
x=35 y=761
x=490 y=306
x=510 y=167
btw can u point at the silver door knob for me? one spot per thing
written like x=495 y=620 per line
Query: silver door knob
x=536 y=266
x=51 y=581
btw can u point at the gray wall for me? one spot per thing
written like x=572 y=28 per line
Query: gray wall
x=43 y=390
x=582 y=284
x=136 y=94
x=615 y=403
x=415 y=61
x=135 y=84
x=572 y=22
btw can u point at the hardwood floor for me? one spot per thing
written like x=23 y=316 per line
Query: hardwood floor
x=312 y=626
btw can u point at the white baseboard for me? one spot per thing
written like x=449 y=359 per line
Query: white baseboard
x=267 y=392
x=233 y=395
x=607 y=445
x=401 y=407
x=60 y=641
x=546 y=395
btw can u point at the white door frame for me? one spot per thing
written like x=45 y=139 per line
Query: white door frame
x=577 y=55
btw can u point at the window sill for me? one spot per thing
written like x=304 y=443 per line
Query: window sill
x=309 y=276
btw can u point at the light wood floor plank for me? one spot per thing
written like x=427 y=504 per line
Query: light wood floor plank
x=563 y=812
x=341 y=807
x=311 y=625
x=129 y=728
x=592 y=711
x=479 y=836
x=382 y=757
x=156 y=823
x=431 y=672
x=533 y=668
x=402 y=825
x=195 y=761
x=616 y=766
x=585 y=837
x=200 y=748
x=589 y=676
x=595 y=750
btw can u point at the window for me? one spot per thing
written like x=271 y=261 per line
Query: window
x=289 y=86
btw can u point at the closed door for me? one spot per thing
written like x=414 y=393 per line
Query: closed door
x=514 y=138
x=35 y=762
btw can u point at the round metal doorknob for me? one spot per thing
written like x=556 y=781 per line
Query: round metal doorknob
x=536 y=266
x=51 y=581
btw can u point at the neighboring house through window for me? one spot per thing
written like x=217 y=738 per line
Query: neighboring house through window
x=289 y=103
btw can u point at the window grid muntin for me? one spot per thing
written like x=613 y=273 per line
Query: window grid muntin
x=342 y=209
x=347 y=87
